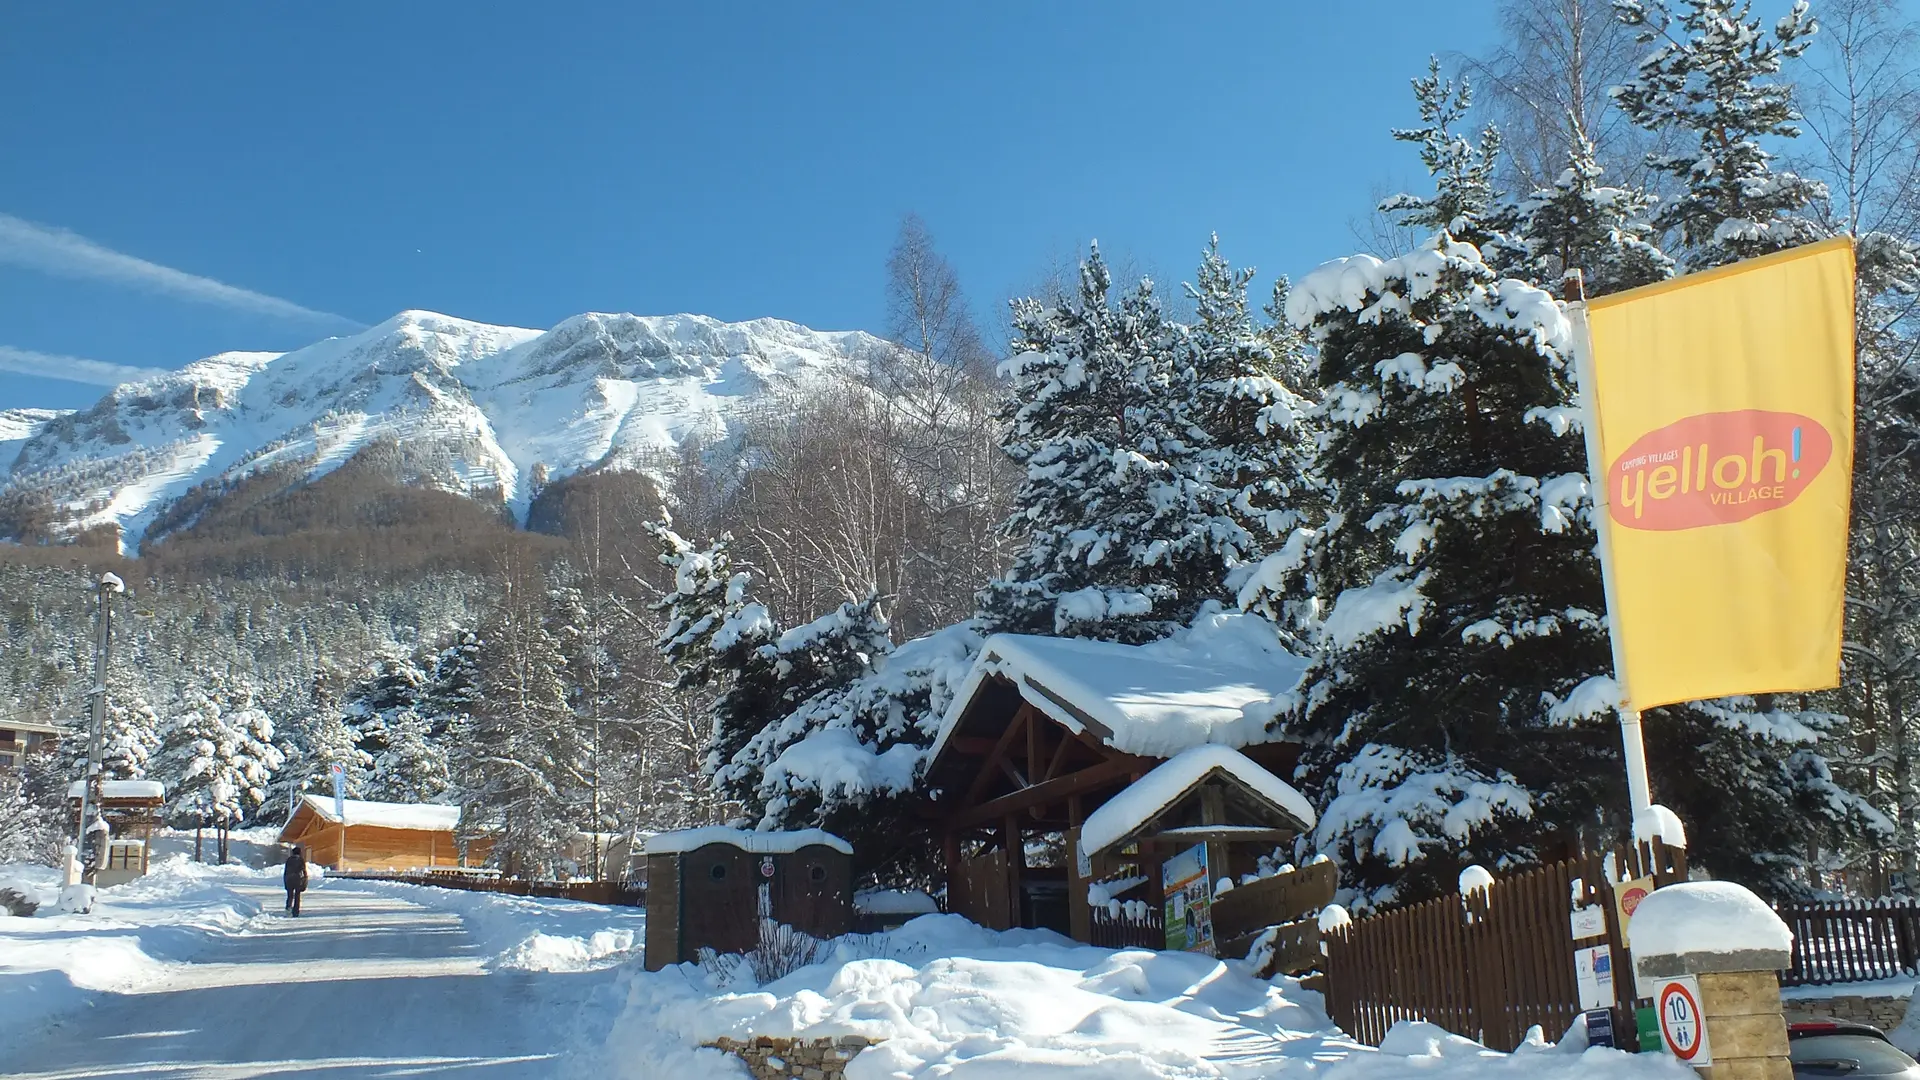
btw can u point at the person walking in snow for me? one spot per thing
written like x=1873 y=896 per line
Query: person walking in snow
x=294 y=877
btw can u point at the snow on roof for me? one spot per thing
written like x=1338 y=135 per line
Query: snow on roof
x=1218 y=681
x=1706 y=916
x=122 y=789
x=1139 y=802
x=759 y=843
x=427 y=817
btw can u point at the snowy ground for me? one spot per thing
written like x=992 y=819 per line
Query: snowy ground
x=960 y=1003
x=194 y=971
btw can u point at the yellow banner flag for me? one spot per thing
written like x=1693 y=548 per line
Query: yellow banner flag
x=1724 y=405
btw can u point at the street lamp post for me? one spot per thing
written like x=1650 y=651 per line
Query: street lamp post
x=79 y=868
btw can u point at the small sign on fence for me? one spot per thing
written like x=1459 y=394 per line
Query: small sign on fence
x=1626 y=899
x=1599 y=1027
x=1593 y=973
x=1683 y=1026
x=1589 y=921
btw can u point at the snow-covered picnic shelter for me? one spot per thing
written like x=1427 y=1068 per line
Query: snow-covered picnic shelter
x=1164 y=745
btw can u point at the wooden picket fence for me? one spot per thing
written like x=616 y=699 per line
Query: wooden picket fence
x=1852 y=941
x=1492 y=963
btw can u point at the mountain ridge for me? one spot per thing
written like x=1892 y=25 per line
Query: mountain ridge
x=479 y=408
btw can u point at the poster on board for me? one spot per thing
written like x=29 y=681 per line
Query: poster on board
x=1189 y=903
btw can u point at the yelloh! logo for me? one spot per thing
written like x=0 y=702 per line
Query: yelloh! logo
x=1716 y=469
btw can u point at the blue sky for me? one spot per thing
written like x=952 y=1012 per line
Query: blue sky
x=522 y=163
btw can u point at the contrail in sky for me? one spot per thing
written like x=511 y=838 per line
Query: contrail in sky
x=68 y=254
x=71 y=368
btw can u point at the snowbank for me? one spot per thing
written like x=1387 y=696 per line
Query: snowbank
x=1706 y=917
x=137 y=934
x=954 y=1001
x=525 y=933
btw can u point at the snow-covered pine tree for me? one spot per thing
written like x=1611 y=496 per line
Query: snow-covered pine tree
x=1456 y=575
x=1455 y=571
x=812 y=661
x=716 y=636
x=218 y=758
x=453 y=684
x=412 y=769
x=1113 y=542
x=1465 y=204
x=1714 y=76
x=131 y=732
x=519 y=754
x=329 y=741
x=1581 y=224
x=1250 y=445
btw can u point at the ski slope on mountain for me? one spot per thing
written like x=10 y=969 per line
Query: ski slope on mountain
x=474 y=408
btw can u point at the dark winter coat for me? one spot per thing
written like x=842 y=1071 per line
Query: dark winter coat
x=295 y=874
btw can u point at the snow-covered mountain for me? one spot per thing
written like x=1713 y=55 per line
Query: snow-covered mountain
x=474 y=407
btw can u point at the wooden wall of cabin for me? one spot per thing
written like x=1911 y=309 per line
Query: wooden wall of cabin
x=719 y=900
x=813 y=890
x=663 y=912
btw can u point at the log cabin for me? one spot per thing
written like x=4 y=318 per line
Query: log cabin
x=1044 y=732
x=381 y=836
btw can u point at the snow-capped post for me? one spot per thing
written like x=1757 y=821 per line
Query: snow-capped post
x=1709 y=954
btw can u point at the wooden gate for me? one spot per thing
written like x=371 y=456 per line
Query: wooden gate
x=1490 y=964
x=980 y=890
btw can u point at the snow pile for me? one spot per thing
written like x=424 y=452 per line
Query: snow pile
x=894 y=902
x=137 y=934
x=1141 y=801
x=528 y=933
x=1217 y=681
x=953 y=1001
x=1706 y=917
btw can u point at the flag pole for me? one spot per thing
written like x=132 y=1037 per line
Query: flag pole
x=1639 y=793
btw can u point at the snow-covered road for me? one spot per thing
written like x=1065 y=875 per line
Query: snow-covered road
x=365 y=983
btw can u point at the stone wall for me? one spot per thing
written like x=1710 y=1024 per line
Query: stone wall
x=1884 y=1013
x=784 y=1059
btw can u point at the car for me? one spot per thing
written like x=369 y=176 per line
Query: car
x=1829 y=1048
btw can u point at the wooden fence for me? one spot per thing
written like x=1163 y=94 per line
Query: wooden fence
x=1852 y=941
x=612 y=893
x=1491 y=963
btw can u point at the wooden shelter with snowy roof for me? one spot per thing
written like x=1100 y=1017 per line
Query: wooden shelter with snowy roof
x=380 y=836
x=131 y=810
x=709 y=888
x=1063 y=764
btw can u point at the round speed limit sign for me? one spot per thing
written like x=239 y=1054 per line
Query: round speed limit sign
x=1683 y=1026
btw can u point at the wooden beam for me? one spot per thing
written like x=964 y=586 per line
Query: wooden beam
x=990 y=768
x=1049 y=791
x=972 y=745
x=1059 y=757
